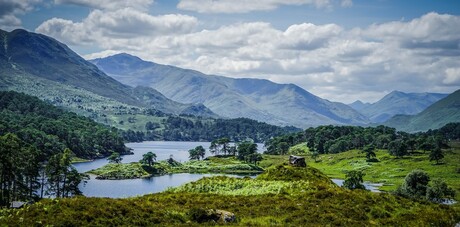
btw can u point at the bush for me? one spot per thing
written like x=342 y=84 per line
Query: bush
x=354 y=180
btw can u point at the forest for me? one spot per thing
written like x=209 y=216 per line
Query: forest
x=37 y=144
x=336 y=139
x=183 y=128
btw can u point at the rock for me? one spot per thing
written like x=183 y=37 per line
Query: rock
x=225 y=216
x=201 y=215
x=297 y=161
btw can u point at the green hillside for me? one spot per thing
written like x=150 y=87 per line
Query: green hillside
x=51 y=129
x=444 y=111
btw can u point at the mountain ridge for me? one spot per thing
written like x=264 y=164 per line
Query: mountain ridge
x=27 y=55
x=259 y=99
x=397 y=103
x=442 y=112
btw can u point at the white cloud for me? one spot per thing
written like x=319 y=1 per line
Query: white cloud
x=328 y=60
x=109 y=4
x=101 y=27
x=452 y=77
x=10 y=9
x=245 y=6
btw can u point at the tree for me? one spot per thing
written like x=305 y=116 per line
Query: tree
x=115 y=158
x=354 y=180
x=245 y=149
x=314 y=153
x=149 y=158
x=197 y=153
x=415 y=185
x=254 y=158
x=63 y=179
x=200 y=151
x=439 y=191
x=283 y=148
x=370 y=154
x=397 y=148
x=436 y=154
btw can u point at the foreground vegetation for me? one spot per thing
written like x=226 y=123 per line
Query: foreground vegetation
x=289 y=196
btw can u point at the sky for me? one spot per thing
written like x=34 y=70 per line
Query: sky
x=341 y=50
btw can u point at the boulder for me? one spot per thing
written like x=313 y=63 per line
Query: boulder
x=201 y=215
x=297 y=161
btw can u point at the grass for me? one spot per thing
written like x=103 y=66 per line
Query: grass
x=253 y=205
x=77 y=160
x=114 y=171
x=389 y=170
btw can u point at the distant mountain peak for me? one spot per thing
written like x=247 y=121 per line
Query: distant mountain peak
x=397 y=102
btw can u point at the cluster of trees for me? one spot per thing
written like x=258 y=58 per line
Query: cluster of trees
x=37 y=143
x=417 y=186
x=177 y=128
x=51 y=129
x=244 y=151
x=25 y=175
x=197 y=153
x=336 y=139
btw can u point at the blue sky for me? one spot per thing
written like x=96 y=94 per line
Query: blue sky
x=341 y=50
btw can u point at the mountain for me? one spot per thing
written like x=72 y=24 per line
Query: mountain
x=396 y=103
x=442 y=112
x=39 y=65
x=263 y=100
x=358 y=105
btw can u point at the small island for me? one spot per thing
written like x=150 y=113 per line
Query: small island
x=224 y=162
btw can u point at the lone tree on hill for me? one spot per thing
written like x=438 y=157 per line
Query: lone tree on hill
x=370 y=154
x=115 y=158
x=149 y=158
x=436 y=155
x=354 y=180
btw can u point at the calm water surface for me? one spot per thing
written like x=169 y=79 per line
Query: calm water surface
x=135 y=187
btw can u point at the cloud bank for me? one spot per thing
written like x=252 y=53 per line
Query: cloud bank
x=328 y=60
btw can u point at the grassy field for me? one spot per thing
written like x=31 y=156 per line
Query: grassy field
x=282 y=195
x=389 y=170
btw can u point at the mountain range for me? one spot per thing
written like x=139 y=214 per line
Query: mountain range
x=442 y=112
x=124 y=88
x=40 y=65
x=263 y=100
x=395 y=103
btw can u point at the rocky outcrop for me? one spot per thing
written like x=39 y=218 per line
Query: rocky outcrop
x=297 y=161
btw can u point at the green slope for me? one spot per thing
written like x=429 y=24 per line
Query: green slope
x=444 y=111
x=28 y=57
x=51 y=129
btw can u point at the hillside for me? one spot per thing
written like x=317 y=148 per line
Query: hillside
x=442 y=112
x=396 y=103
x=310 y=198
x=50 y=129
x=263 y=100
x=30 y=62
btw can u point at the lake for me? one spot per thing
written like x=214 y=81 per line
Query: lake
x=135 y=187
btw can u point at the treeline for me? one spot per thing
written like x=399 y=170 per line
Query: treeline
x=50 y=129
x=199 y=129
x=336 y=139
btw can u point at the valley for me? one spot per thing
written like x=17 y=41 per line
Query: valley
x=180 y=120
